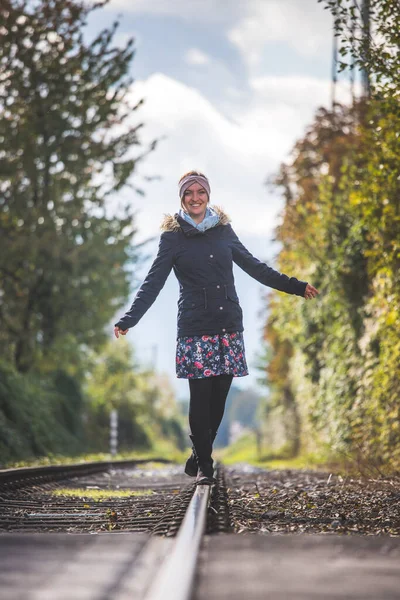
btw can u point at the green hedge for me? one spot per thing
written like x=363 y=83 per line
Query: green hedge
x=38 y=415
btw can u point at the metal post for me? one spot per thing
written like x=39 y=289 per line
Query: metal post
x=113 y=432
x=334 y=70
x=353 y=63
x=365 y=12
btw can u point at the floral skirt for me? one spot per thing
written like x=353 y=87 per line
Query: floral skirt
x=201 y=356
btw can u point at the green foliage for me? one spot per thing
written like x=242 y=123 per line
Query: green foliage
x=68 y=409
x=369 y=41
x=65 y=146
x=30 y=423
x=56 y=415
x=145 y=402
x=246 y=450
x=338 y=357
x=67 y=132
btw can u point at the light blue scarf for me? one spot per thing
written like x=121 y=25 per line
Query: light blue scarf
x=211 y=218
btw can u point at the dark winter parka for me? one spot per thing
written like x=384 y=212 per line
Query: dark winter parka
x=202 y=262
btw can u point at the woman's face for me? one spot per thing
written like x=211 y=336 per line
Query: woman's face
x=195 y=200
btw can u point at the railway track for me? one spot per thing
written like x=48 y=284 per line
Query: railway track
x=155 y=535
x=154 y=498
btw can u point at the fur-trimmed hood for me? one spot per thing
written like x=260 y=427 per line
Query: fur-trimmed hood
x=171 y=223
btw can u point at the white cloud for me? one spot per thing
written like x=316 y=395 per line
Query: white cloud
x=206 y=11
x=304 y=26
x=298 y=92
x=237 y=156
x=194 y=56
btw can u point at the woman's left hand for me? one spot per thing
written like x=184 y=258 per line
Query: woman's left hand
x=310 y=292
x=118 y=330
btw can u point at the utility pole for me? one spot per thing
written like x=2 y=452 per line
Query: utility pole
x=334 y=69
x=353 y=64
x=365 y=15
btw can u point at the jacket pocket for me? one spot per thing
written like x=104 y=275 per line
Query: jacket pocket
x=193 y=300
x=191 y=312
x=235 y=310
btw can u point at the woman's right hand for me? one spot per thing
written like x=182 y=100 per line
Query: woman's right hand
x=118 y=330
x=310 y=292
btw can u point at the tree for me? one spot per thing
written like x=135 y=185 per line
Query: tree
x=373 y=187
x=340 y=356
x=369 y=34
x=66 y=137
x=147 y=409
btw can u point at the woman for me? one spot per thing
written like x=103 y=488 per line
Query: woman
x=199 y=244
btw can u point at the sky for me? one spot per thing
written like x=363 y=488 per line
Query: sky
x=228 y=86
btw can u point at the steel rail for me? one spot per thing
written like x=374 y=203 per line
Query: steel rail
x=28 y=499
x=53 y=472
x=176 y=574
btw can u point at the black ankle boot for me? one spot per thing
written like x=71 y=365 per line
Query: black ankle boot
x=205 y=474
x=202 y=447
x=191 y=463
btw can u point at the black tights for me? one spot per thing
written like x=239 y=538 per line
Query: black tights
x=207 y=402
